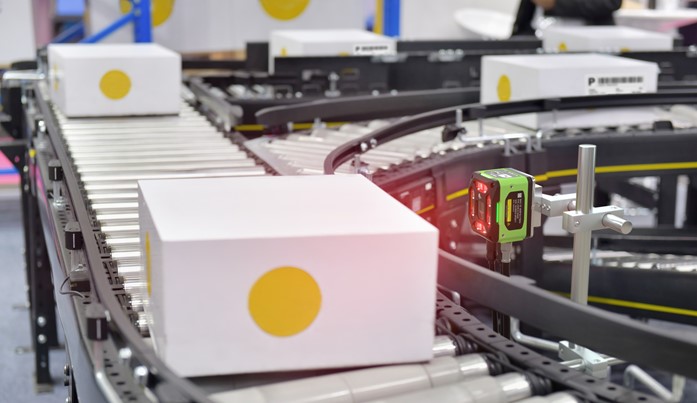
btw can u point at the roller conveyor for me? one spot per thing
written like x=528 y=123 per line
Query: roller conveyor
x=111 y=197
x=112 y=154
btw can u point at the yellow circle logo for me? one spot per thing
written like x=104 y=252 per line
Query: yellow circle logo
x=285 y=301
x=115 y=84
x=284 y=9
x=562 y=47
x=503 y=89
x=160 y=10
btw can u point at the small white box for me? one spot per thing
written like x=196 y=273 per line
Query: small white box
x=328 y=42
x=519 y=78
x=17 y=32
x=604 y=39
x=285 y=273
x=114 y=79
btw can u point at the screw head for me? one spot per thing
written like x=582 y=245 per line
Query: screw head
x=140 y=373
x=41 y=339
x=41 y=321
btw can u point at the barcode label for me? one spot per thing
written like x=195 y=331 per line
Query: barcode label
x=605 y=85
x=373 y=49
x=619 y=80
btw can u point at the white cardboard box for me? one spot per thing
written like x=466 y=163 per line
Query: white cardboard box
x=328 y=42
x=114 y=79
x=194 y=26
x=285 y=273
x=524 y=77
x=604 y=39
x=16 y=32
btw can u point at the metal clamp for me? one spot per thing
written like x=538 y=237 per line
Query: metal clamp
x=599 y=218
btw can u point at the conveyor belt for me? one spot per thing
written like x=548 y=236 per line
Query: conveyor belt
x=112 y=154
x=100 y=178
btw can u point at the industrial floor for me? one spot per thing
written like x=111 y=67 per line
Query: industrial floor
x=16 y=357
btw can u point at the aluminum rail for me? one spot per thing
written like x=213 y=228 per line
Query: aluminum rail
x=445 y=116
x=602 y=331
x=367 y=107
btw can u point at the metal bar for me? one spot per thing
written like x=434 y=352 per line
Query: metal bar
x=42 y=302
x=667 y=199
x=585 y=184
x=142 y=23
x=587 y=326
x=530 y=341
x=76 y=29
x=150 y=153
x=125 y=19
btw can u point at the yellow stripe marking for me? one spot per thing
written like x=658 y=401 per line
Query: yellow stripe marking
x=637 y=305
x=664 y=166
x=296 y=126
x=426 y=209
x=459 y=193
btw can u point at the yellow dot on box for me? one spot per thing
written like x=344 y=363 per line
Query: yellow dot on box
x=503 y=89
x=115 y=84
x=148 y=264
x=562 y=47
x=160 y=10
x=284 y=9
x=285 y=301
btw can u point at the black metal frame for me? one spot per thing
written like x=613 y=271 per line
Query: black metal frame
x=42 y=315
x=105 y=286
x=509 y=354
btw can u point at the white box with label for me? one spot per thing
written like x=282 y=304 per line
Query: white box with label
x=328 y=42
x=114 y=79
x=285 y=273
x=604 y=39
x=525 y=77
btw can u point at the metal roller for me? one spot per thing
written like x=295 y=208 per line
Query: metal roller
x=501 y=389
x=112 y=154
x=364 y=385
x=560 y=397
x=135 y=154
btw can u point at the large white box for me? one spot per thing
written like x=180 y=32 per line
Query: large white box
x=285 y=273
x=114 y=79
x=604 y=39
x=195 y=26
x=328 y=42
x=16 y=32
x=525 y=77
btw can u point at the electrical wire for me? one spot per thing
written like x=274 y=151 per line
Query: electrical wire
x=69 y=292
